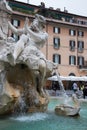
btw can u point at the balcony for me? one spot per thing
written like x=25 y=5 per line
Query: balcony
x=72 y=48
x=80 y=50
x=62 y=17
x=54 y=15
x=83 y=67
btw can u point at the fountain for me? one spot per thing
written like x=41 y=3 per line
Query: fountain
x=70 y=106
x=24 y=69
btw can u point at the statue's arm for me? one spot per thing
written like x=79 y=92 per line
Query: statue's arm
x=15 y=30
x=38 y=37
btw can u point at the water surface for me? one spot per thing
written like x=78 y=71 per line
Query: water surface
x=46 y=121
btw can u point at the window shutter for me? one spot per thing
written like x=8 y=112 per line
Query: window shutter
x=78 y=44
x=83 y=60
x=82 y=33
x=69 y=31
x=18 y=22
x=53 y=57
x=74 y=60
x=82 y=44
x=53 y=40
x=58 y=41
x=59 y=59
x=70 y=43
x=12 y=21
x=58 y=30
x=78 y=61
x=74 y=32
x=74 y=43
x=69 y=60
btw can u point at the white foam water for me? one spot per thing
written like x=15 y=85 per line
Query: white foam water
x=31 y=117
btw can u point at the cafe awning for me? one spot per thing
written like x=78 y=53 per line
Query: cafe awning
x=68 y=78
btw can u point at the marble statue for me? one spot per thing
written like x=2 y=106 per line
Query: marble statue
x=70 y=108
x=23 y=67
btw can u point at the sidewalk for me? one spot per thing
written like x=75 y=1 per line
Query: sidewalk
x=58 y=93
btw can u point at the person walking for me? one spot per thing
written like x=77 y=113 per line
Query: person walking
x=75 y=87
x=85 y=91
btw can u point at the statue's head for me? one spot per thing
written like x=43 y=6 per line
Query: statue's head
x=5 y=7
x=41 y=19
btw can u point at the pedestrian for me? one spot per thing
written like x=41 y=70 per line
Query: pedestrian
x=75 y=87
x=85 y=91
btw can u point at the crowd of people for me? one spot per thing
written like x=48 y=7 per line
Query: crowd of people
x=79 y=88
x=82 y=88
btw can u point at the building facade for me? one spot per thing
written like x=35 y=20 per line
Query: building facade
x=67 y=36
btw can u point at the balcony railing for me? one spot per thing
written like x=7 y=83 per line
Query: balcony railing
x=72 y=48
x=80 y=50
x=82 y=67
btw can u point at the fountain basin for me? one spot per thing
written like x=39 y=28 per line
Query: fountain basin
x=47 y=120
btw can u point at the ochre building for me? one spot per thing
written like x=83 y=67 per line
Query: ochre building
x=67 y=40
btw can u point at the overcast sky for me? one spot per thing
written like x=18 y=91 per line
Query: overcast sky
x=78 y=7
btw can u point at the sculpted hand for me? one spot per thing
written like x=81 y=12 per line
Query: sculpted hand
x=26 y=24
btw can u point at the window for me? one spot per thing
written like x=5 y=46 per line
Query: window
x=72 y=32
x=56 y=42
x=80 y=33
x=15 y=22
x=72 y=60
x=57 y=58
x=72 y=45
x=80 y=46
x=56 y=29
x=15 y=37
x=80 y=60
x=71 y=20
x=80 y=22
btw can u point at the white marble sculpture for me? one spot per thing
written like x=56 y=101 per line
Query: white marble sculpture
x=70 y=108
x=27 y=49
x=23 y=67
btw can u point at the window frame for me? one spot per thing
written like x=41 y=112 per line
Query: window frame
x=56 y=42
x=72 y=60
x=80 y=60
x=80 y=46
x=16 y=37
x=15 y=22
x=56 y=30
x=72 y=45
x=72 y=32
x=57 y=58
x=80 y=33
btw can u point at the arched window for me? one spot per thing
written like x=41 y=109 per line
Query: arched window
x=72 y=74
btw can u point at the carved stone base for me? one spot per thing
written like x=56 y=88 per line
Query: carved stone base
x=20 y=91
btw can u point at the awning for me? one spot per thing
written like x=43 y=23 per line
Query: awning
x=68 y=78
